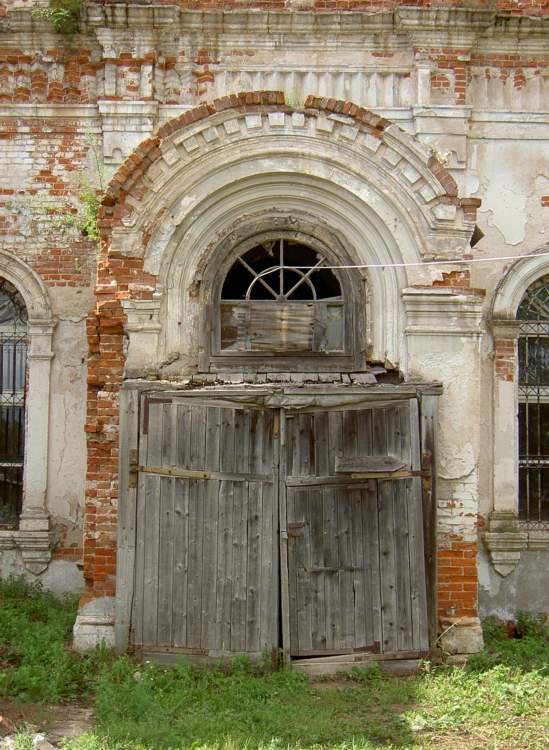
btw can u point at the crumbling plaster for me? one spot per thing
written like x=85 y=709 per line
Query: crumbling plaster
x=492 y=138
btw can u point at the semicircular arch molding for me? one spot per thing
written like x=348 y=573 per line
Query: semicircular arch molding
x=342 y=136
x=29 y=284
x=381 y=191
x=512 y=287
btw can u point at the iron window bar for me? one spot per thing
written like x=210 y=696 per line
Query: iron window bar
x=533 y=396
x=13 y=359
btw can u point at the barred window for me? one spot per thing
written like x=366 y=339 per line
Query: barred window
x=13 y=359
x=533 y=392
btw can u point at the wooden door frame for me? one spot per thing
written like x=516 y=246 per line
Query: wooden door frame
x=278 y=396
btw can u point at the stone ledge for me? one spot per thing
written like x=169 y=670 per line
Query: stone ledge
x=35 y=547
x=460 y=635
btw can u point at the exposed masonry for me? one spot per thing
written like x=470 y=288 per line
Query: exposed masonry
x=130 y=184
x=121 y=276
x=462 y=78
x=130 y=52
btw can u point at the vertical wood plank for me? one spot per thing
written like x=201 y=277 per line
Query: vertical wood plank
x=335 y=438
x=151 y=551
x=184 y=431
x=379 y=431
x=211 y=519
x=126 y=563
x=270 y=580
x=194 y=580
x=224 y=566
x=209 y=560
x=418 y=590
x=372 y=578
x=299 y=549
x=388 y=566
x=139 y=574
x=226 y=455
x=404 y=607
x=364 y=432
x=346 y=638
x=362 y=617
x=198 y=437
x=321 y=443
x=350 y=433
x=165 y=559
x=429 y=406
x=318 y=599
x=282 y=504
x=238 y=609
x=253 y=579
x=331 y=565
x=181 y=561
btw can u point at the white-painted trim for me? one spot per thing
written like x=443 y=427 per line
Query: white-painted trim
x=512 y=287
x=32 y=538
x=505 y=539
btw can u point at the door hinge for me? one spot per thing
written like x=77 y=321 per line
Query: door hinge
x=134 y=468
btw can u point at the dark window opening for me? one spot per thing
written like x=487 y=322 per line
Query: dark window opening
x=533 y=417
x=281 y=269
x=13 y=358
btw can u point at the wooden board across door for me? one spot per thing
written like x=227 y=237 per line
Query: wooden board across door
x=206 y=568
x=355 y=555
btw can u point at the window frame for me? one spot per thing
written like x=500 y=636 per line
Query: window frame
x=13 y=375
x=531 y=394
x=218 y=360
x=32 y=537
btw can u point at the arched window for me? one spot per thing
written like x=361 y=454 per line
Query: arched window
x=13 y=360
x=278 y=300
x=533 y=392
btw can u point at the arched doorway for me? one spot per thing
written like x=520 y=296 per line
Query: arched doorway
x=207 y=189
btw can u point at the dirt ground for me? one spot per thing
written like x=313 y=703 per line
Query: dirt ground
x=70 y=720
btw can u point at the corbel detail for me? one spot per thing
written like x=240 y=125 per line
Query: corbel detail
x=505 y=541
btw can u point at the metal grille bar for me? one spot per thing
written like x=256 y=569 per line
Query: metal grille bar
x=533 y=391
x=13 y=356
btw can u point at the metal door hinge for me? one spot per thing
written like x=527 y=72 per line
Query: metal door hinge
x=134 y=468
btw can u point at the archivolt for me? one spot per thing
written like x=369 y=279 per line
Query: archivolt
x=510 y=290
x=382 y=192
x=29 y=284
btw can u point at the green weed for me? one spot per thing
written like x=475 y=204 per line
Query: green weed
x=499 y=700
x=64 y=16
x=35 y=661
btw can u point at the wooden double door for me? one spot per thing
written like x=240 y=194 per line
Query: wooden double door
x=258 y=528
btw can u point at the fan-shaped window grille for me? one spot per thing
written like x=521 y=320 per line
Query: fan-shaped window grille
x=533 y=350
x=278 y=298
x=13 y=358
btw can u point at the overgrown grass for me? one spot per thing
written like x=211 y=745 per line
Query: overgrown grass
x=36 y=663
x=499 y=701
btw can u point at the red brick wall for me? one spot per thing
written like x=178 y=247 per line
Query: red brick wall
x=457 y=579
x=42 y=169
x=505 y=355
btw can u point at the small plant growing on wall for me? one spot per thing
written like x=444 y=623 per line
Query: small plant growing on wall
x=43 y=214
x=91 y=190
x=64 y=15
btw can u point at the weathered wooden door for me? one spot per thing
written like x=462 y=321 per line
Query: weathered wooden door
x=206 y=552
x=355 y=553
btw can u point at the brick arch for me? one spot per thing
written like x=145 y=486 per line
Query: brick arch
x=410 y=167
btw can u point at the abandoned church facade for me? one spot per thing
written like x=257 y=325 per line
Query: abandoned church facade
x=287 y=387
